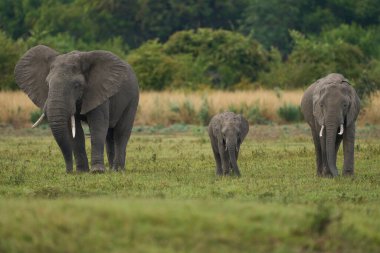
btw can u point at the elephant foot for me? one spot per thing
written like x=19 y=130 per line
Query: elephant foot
x=98 y=168
x=348 y=173
x=226 y=173
x=320 y=172
x=237 y=174
x=83 y=170
x=118 y=168
x=219 y=172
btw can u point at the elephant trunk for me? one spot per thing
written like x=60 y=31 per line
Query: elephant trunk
x=58 y=118
x=331 y=132
x=232 y=149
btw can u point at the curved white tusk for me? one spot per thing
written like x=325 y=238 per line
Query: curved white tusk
x=73 y=126
x=321 y=132
x=341 y=129
x=39 y=120
x=225 y=148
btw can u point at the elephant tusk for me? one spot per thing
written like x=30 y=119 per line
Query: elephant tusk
x=321 y=132
x=225 y=148
x=39 y=120
x=341 y=129
x=237 y=148
x=73 y=126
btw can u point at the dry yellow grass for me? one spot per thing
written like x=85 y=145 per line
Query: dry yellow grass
x=162 y=107
x=156 y=107
x=15 y=108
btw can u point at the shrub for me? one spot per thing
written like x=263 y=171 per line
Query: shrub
x=290 y=113
x=204 y=115
x=229 y=56
x=312 y=59
x=35 y=115
x=254 y=116
x=185 y=112
x=153 y=67
x=10 y=52
x=251 y=112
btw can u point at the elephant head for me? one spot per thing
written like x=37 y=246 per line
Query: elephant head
x=233 y=131
x=335 y=108
x=64 y=85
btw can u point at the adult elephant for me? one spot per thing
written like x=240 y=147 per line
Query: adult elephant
x=96 y=87
x=330 y=106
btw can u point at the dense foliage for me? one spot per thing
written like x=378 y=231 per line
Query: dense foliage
x=196 y=44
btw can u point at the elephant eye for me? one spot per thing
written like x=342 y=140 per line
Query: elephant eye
x=76 y=84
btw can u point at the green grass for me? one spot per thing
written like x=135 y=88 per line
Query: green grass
x=169 y=199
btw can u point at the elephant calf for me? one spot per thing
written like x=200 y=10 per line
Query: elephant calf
x=227 y=131
x=330 y=106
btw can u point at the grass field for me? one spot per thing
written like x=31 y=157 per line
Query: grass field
x=166 y=108
x=169 y=199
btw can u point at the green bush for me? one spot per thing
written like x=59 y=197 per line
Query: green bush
x=255 y=116
x=10 y=52
x=64 y=42
x=154 y=68
x=184 y=113
x=312 y=59
x=290 y=113
x=229 y=56
x=204 y=114
x=252 y=113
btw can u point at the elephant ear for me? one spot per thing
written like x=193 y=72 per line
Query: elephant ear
x=31 y=72
x=244 y=126
x=104 y=74
x=354 y=108
x=317 y=109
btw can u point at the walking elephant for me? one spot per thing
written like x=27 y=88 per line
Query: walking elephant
x=227 y=131
x=96 y=87
x=330 y=106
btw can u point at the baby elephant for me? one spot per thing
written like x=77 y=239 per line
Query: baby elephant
x=227 y=131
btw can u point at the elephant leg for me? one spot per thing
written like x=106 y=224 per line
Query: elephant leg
x=122 y=132
x=325 y=169
x=79 y=147
x=217 y=157
x=318 y=152
x=338 y=141
x=110 y=147
x=348 y=150
x=225 y=159
x=98 y=121
x=230 y=164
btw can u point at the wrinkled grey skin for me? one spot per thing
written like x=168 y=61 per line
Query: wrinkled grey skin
x=227 y=131
x=96 y=87
x=332 y=101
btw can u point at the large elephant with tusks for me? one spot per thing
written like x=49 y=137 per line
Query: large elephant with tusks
x=96 y=87
x=330 y=106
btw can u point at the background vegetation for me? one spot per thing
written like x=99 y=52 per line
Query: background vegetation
x=233 y=44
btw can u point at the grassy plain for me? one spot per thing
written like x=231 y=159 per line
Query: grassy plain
x=169 y=199
x=169 y=107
